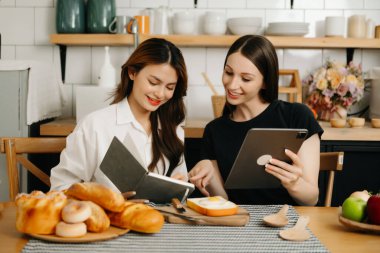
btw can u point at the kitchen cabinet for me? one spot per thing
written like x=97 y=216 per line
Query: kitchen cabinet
x=13 y=92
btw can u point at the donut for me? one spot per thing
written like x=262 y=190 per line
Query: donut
x=64 y=229
x=76 y=211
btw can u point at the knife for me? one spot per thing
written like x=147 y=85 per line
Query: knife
x=178 y=205
x=182 y=216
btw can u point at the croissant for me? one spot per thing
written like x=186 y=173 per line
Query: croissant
x=138 y=217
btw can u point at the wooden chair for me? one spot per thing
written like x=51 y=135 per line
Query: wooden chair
x=294 y=90
x=16 y=149
x=331 y=162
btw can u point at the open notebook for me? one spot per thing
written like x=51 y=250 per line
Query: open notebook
x=127 y=174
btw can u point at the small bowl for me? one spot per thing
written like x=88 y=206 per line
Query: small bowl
x=242 y=26
x=338 y=123
x=356 y=122
x=375 y=123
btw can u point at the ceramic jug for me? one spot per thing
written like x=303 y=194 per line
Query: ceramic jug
x=100 y=14
x=70 y=16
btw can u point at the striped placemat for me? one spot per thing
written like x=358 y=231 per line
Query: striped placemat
x=254 y=237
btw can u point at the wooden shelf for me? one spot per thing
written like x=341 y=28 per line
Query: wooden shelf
x=64 y=40
x=211 y=41
x=92 y=39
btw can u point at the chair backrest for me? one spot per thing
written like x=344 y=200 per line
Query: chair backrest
x=331 y=162
x=15 y=148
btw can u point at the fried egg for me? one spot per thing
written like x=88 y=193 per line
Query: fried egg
x=213 y=202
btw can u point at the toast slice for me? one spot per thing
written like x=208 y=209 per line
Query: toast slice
x=212 y=206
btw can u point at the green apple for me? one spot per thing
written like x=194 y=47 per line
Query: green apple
x=354 y=209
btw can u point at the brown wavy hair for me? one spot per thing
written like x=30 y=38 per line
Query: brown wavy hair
x=172 y=113
x=260 y=51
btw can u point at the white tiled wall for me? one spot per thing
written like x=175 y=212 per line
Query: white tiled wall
x=25 y=26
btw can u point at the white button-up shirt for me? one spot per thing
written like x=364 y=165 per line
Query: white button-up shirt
x=89 y=142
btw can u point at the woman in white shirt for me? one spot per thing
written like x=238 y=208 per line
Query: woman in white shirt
x=146 y=111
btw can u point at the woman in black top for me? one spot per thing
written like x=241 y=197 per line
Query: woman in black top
x=250 y=79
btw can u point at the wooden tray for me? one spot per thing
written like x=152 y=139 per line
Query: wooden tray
x=359 y=226
x=112 y=232
x=239 y=219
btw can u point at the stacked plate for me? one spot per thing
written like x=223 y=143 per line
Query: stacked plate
x=287 y=28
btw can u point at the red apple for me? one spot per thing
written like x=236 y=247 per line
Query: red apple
x=373 y=209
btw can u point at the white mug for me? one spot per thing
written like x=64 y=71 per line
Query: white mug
x=214 y=23
x=183 y=22
x=334 y=26
x=118 y=24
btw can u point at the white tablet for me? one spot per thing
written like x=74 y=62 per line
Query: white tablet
x=260 y=145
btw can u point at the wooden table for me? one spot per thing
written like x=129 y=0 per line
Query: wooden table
x=194 y=129
x=323 y=223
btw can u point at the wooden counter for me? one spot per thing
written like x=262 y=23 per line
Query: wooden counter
x=194 y=129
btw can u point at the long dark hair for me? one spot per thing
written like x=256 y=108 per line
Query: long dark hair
x=262 y=54
x=172 y=113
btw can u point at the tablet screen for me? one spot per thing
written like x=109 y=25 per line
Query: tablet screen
x=260 y=145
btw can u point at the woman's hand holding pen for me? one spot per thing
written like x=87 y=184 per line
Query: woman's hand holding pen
x=288 y=174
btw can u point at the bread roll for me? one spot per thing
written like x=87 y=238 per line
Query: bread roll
x=97 y=193
x=39 y=213
x=138 y=217
x=98 y=221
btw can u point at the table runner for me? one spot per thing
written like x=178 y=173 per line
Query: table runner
x=254 y=237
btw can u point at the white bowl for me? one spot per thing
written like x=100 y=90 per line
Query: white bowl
x=249 y=21
x=242 y=26
x=214 y=23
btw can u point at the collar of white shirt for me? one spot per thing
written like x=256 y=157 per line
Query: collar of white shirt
x=124 y=114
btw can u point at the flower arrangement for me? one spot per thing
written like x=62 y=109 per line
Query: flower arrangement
x=334 y=87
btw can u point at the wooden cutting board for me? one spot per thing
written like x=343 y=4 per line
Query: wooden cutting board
x=239 y=219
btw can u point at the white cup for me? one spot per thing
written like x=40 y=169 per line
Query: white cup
x=334 y=26
x=183 y=22
x=118 y=25
x=215 y=23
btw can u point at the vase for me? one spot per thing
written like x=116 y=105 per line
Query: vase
x=70 y=16
x=100 y=14
x=340 y=112
x=337 y=112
